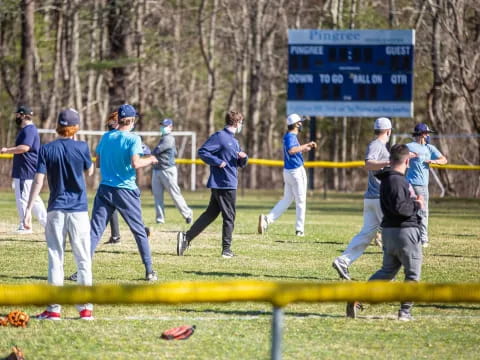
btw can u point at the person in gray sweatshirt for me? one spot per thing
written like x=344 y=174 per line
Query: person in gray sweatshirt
x=165 y=176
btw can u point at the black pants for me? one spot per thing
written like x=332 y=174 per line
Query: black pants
x=114 y=227
x=221 y=201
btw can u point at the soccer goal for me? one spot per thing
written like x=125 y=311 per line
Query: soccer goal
x=186 y=144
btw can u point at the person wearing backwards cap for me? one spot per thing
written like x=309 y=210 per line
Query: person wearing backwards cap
x=119 y=154
x=294 y=176
x=376 y=158
x=65 y=161
x=418 y=172
x=25 y=155
x=164 y=175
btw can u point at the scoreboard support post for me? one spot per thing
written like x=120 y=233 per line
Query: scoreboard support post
x=311 y=153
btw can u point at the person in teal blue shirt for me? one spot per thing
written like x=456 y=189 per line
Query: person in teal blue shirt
x=119 y=154
x=419 y=170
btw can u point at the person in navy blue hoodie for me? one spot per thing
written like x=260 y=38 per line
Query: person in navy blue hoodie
x=222 y=152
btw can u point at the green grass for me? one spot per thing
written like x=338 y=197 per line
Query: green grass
x=242 y=330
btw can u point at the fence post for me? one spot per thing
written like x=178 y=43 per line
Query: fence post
x=277 y=324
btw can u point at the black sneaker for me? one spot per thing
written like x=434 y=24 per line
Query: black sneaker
x=151 y=276
x=188 y=220
x=353 y=308
x=147 y=231
x=227 y=254
x=404 y=315
x=299 y=233
x=113 y=240
x=341 y=268
x=182 y=243
x=73 y=277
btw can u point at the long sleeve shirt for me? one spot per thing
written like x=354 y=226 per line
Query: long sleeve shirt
x=222 y=147
x=397 y=200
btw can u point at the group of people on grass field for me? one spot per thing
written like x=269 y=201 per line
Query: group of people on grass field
x=396 y=200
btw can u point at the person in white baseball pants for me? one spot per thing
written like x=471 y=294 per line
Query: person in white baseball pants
x=294 y=176
x=377 y=157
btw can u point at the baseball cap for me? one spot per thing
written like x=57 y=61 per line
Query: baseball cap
x=167 y=122
x=68 y=117
x=126 y=111
x=422 y=128
x=293 y=118
x=382 y=123
x=24 y=110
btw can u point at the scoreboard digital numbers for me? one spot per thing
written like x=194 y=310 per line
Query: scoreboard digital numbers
x=361 y=73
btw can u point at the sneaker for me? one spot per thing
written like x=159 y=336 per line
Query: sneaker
x=377 y=240
x=262 y=224
x=147 y=231
x=151 y=276
x=341 y=268
x=182 y=243
x=73 y=277
x=22 y=231
x=188 y=220
x=86 y=314
x=353 y=308
x=299 y=233
x=227 y=254
x=160 y=221
x=425 y=244
x=404 y=315
x=113 y=240
x=48 y=315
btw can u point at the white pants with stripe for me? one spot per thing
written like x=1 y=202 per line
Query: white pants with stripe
x=295 y=189
x=372 y=218
x=75 y=225
x=22 y=194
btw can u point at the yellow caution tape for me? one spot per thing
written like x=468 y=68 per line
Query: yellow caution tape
x=278 y=294
x=308 y=164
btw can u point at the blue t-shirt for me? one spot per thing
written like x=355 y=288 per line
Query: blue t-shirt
x=291 y=161
x=377 y=151
x=418 y=172
x=222 y=146
x=25 y=165
x=64 y=161
x=116 y=149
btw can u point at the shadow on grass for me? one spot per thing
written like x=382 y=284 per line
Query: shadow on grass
x=22 y=240
x=309 y=242
x=443 y=306
x=457 y=256
x=218 y=273
x=31 y=277
x=261 y=313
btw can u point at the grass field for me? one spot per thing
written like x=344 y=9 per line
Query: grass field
x=242 y=330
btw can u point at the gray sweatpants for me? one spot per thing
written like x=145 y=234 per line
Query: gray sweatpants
x=75 y=225
x=401 y=246
x=166 y=179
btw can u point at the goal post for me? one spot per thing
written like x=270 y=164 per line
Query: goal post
x=182 y=146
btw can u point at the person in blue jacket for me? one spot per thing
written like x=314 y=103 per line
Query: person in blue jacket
x=223 y=153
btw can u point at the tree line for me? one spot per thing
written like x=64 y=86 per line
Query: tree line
x=191 y=60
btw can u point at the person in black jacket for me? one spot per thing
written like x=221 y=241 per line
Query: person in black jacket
x=400 y=226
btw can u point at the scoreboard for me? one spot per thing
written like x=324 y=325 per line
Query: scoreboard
x=351 y=72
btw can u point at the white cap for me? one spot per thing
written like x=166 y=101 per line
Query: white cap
x=382 y=123
x=293 y=118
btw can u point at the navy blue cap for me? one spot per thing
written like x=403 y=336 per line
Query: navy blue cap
x=167 y=122
x=69 y=117
x=126 y=111
x=24 y=110
x=422 y=128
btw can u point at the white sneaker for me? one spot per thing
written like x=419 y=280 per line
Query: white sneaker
x=22 y=231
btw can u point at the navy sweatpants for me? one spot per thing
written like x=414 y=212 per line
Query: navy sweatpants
x=128 y=204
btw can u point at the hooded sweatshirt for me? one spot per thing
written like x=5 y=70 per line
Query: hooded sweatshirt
x=397 y=200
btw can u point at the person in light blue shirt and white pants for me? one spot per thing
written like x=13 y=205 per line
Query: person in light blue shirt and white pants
x=294 y=176
x=419 y=170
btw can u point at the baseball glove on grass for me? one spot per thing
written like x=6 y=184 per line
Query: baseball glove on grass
x=18 y=318
x=178 y=333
